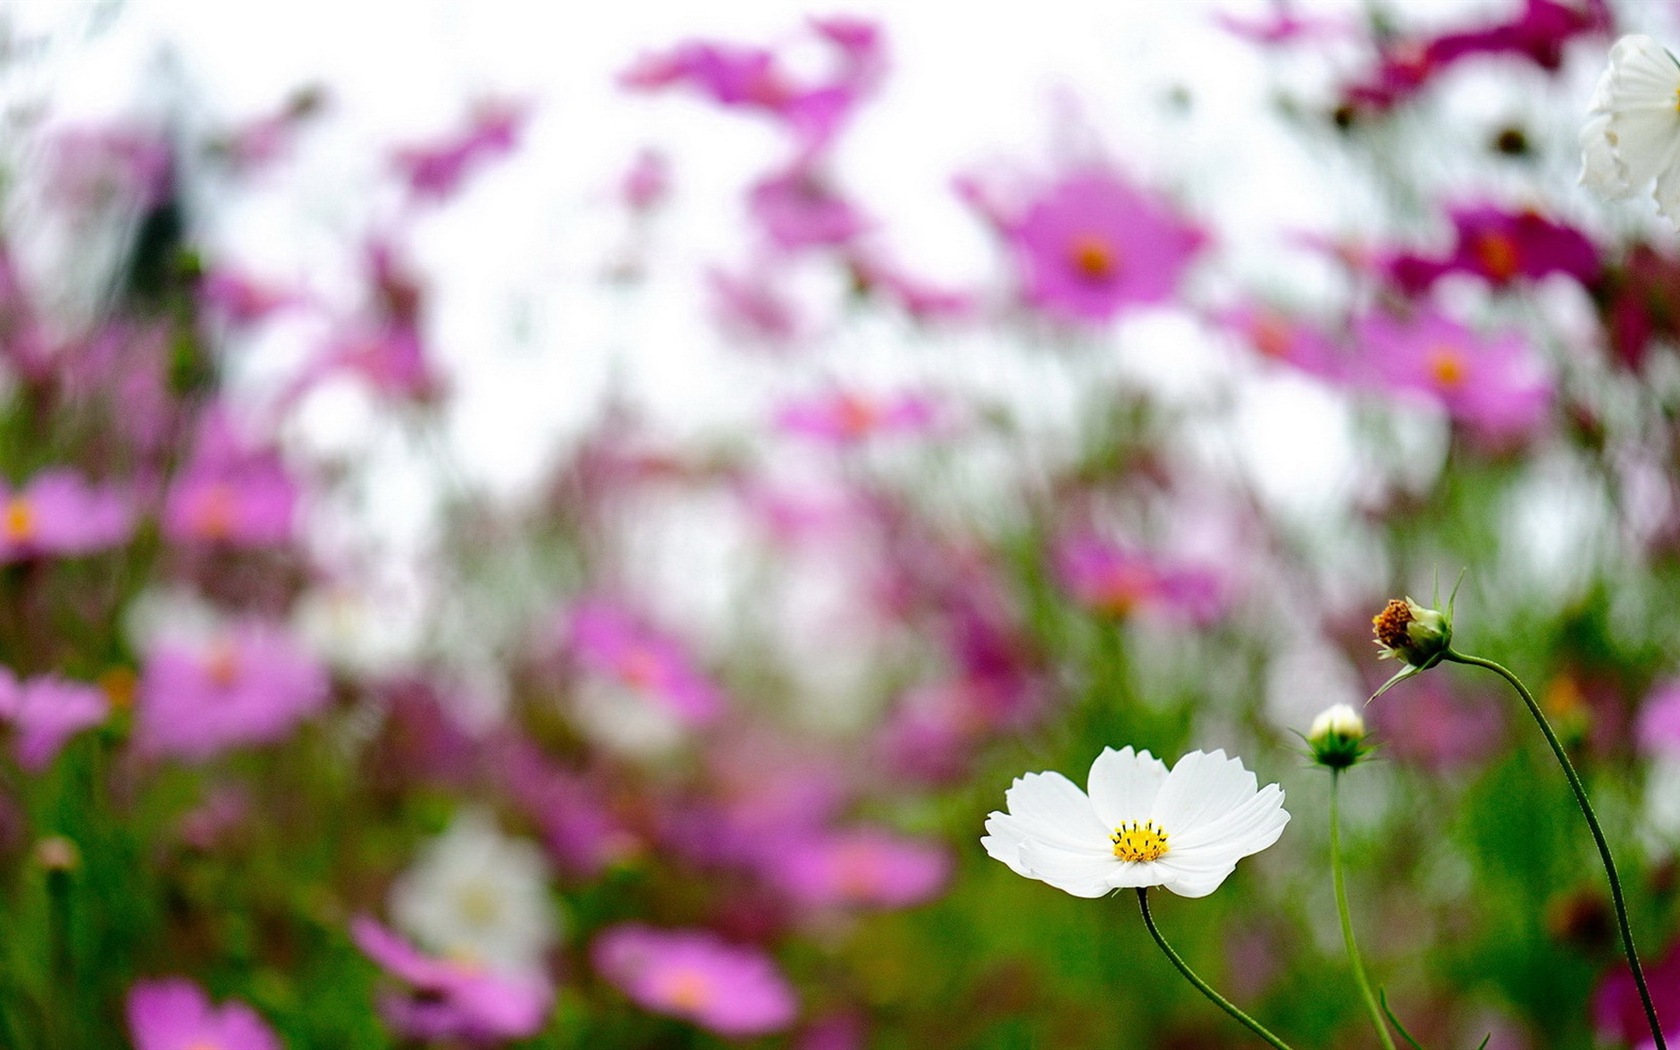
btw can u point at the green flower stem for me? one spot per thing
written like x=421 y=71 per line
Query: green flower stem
x=1347 y=921
x=1201 y=985
x=1592 y=823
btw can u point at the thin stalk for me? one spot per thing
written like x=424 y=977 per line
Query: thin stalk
x=1592 y=823
x=1354 y=957
x=1202 y=986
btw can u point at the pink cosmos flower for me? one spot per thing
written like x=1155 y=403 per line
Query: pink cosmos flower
x=1278 y=337
x=1117 y=580
x=241 y=298
x=99 y=166
x=608 y=640
x=59 y=513
x=249 y=684
x=647 y=182
x=732 y=990
x=1659 y=720
x=229 y=492
x=813 y=110
x=921 y=300
x=1090 y=245
x=434 y=171
x=862 y=867
x=1501 y=246
x=45 y=712
x=799 y=208
x=175 y=1014
x=847 y=417
x=750 y=306
x=1618 y=1012
x=1495 y=386
x=452 y=1000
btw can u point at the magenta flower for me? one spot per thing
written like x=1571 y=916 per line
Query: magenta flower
x=44 y=713
x=864 y=867
x=798 y=208
x=1278 y=337
x=451 y=1000
x=1659 y=720
x=249 y=684
x=1495 y=386
x=1618 y=1012
x=847 y=417
x=59 y=513
x=1091 y=245
x=435 y=170
x=607 y=640
x=732 y=990
x=230 y=493
x=1117 y=580
x=1499 y=247
x=175 y=1014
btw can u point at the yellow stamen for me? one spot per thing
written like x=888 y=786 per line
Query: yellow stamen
x=1139 y=842
x=1093 y=257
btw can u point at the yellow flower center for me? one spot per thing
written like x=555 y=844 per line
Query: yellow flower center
x=18 y=523
x=1093 y=258
x=1447 y=366
x=1139 y=842
x=480 y=904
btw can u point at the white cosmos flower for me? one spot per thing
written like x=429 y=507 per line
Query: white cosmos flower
x=1632 y=134
x=1140 y=825
x=478 y=896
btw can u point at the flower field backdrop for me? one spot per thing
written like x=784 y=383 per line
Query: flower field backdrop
x=740 y=578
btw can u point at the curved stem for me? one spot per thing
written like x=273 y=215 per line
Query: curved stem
x=1592 y=824
x=1201 y=985
x=1354 y=958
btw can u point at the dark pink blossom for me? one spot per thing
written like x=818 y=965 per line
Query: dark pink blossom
x=608 y=640
x=230 y=492
x=435 y=170
x=45 y=712
x=247 y=684
x=1496 y=386
x=846 y=417
x=1090 y=245
x=57 y=512
x=175 y=1014
x=1618 y=1012
x=451 y=1000
x=1500 y=247
x=859 y=867
x=732 y=990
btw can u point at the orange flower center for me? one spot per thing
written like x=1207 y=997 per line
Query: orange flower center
x=18 y=522
x=1498 y=255
x=221 y=665
x=1271 y=336
x=1447 y=367
x=688 y=990
x=1093 y=258
x=856 y=415
x=639 y=668
x=216 y=510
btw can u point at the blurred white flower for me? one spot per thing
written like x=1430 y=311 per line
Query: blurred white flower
x=1632 y=133
x=1139 y=826
x=479 y=897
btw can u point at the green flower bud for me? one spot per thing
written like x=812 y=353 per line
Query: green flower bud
x=1415 y=636
x=1337 y=737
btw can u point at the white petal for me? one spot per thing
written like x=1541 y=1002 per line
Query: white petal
x=1196 y=885
x=1601 y=172
x=1667 y=193
x=1253 y=818
x=1201 y=788
x=1123 y=785
x=1004 y=840
x=1644 y=142
x=1051 y=808
x=1081 y=872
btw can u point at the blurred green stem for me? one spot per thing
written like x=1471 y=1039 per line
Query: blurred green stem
x=1354 y=958
x=1592 y=823
x=1202 y=986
